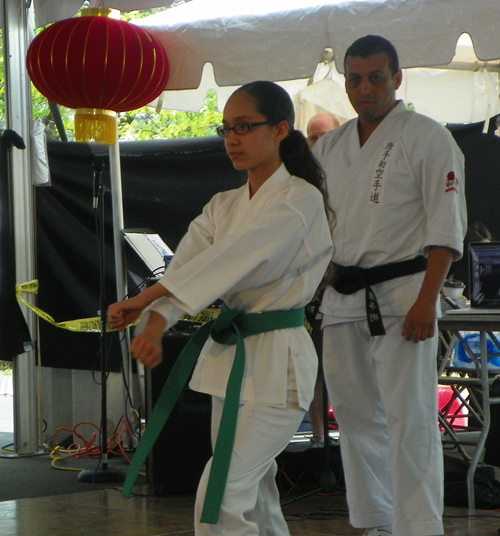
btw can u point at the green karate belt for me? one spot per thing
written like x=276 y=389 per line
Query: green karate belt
x=230 y=328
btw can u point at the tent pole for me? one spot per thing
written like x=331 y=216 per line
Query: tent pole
x=129 y=389
x=27 y=429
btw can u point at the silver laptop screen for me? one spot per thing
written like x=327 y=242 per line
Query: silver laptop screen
x=484 y=274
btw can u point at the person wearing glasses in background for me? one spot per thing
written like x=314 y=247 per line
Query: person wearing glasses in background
x=263 y=249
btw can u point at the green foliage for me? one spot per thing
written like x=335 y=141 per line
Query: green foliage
x=147 y=123
x=6 y=368
x=41 y=110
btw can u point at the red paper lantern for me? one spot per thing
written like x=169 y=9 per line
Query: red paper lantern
x=100 y=66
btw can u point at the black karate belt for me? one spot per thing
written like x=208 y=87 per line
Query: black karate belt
x=350 y=279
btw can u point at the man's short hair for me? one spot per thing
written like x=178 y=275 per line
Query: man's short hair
x=369 y=45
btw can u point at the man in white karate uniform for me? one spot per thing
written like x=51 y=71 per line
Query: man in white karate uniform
x=396 y=182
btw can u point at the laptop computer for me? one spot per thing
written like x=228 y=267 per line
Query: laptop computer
x=484 y=279
x=150 y=247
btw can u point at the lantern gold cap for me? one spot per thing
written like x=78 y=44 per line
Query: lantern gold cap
x=94 y=124
x=100 y=12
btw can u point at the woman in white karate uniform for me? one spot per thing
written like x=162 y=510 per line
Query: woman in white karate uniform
x=261 y=248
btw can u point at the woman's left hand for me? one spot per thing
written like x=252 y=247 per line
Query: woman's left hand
x=146 y=349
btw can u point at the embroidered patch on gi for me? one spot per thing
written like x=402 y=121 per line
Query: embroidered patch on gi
x=451 y=182
x=377 y=185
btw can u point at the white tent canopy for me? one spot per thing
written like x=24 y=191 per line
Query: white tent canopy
x=283 y=39
x=224 y=43
x=220 y=44
x=447 y=95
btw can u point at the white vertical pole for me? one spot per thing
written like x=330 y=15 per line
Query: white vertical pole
x=27 y=432
x=129 y=389
x=118 y=220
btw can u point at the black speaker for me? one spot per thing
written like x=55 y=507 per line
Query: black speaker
x=183 y=448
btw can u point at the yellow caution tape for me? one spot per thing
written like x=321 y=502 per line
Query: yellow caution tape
x=93 y=325
x=202 y=317
x=85 y=325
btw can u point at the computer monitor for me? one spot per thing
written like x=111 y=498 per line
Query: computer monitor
x=484 y=274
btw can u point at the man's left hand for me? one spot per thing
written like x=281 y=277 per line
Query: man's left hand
x=420 y=322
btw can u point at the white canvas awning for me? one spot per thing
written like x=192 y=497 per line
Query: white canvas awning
x=224 y=43
x=283 y=39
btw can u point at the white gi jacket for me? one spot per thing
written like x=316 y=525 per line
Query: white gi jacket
x=266 y=253
x=400 y=193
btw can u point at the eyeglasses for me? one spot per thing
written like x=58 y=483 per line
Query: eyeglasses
x=239 y=128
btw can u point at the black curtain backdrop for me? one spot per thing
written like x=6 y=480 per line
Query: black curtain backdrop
x=14 y=332
x=165 y=184
x=482 y=173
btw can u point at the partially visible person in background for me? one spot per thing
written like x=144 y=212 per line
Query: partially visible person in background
x=459 y=270
x=318 y=125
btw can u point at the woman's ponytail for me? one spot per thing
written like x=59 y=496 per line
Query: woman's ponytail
x=299 y=161
x=274 y=103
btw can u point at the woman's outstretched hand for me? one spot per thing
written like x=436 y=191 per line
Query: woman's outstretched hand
x=146 y=347
x=123 y=313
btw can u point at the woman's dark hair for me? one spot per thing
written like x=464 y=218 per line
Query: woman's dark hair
x=274 y=103
x=367 y=46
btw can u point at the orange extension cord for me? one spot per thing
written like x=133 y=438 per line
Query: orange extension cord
x=87 y=447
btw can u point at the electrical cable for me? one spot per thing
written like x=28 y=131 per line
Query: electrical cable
x=86 y=447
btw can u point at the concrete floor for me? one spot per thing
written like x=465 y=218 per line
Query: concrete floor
x=106 y=512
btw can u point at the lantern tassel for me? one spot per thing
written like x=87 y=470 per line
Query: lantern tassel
x=92 y=124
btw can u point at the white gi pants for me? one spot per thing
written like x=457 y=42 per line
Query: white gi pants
x=384 y=393
x=251 y=504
